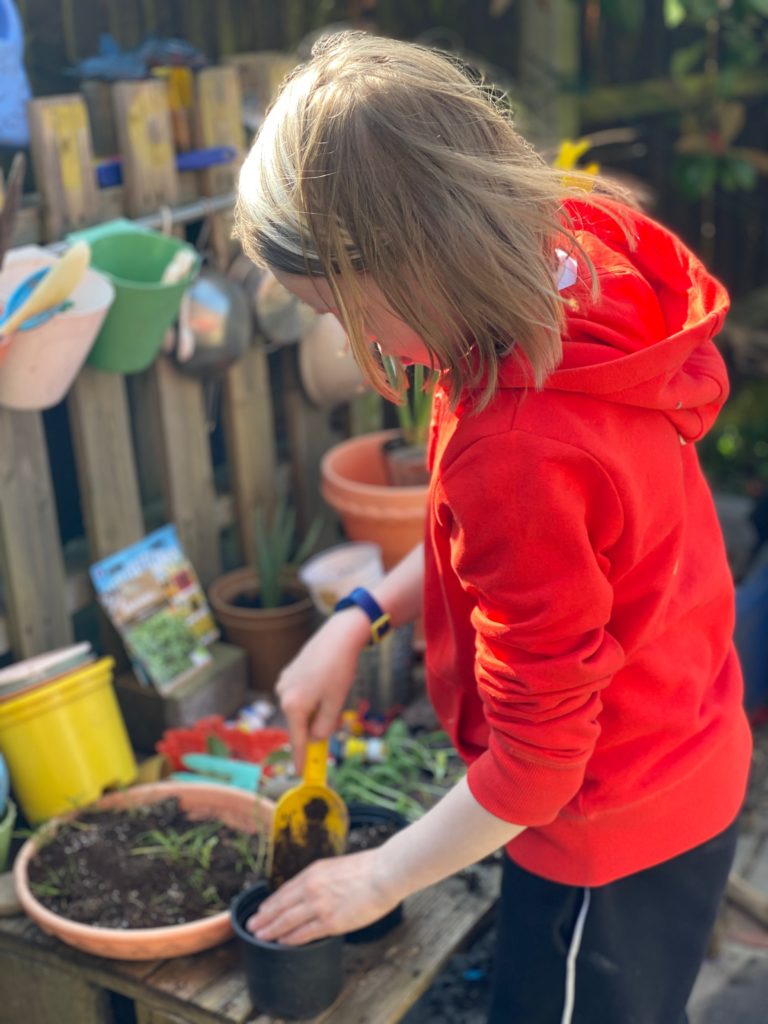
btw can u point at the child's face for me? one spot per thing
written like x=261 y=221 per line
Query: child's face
x=384 y=329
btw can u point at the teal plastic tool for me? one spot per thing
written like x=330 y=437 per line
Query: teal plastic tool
x=224 y=770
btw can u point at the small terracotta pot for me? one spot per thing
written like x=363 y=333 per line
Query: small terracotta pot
x=234 y=807
x=286 y=981
x=271 y=637
x=354 y=483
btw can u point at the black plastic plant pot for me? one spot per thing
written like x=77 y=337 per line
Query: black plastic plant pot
x=361 y=815
x=286 y=981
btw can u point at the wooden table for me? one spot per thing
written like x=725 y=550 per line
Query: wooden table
x=42 y=980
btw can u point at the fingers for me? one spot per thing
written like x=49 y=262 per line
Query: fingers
x=282 y=924
x=326 y=718
x=297 y=715
x=307 y=933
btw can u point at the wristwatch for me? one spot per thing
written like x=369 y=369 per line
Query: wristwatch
x=380 y=620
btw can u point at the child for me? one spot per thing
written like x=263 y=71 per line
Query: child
x=577 y=602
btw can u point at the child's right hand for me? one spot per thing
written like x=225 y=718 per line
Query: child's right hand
x=313 y=687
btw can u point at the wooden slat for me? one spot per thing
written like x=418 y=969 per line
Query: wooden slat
x=606 y=104
x=247 y=405
x=186 y=977
x=184 y=443
x=33 y=567
x=143 y=122
x=62 y=155
x=251 y=451
x=146 y=1015
x=47 y=993
x=309 y=436
x=106 y=467
x=144 y=129
x=549 y=65
x=101 y=113
x=219 y=123
x=145 y=431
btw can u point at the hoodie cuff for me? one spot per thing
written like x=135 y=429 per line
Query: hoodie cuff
x=521 y=792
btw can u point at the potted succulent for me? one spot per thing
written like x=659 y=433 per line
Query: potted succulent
x=265 y=608
x=370 y=481
x=406 y=453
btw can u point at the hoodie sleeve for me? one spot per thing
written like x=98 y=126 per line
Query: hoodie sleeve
x=532 y=524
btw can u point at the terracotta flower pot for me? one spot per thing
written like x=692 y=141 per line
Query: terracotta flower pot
x=354 y=483
x=270 y=636
x=234 y=807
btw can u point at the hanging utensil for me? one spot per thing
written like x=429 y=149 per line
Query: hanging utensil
x=310 y=820
x=46 y=292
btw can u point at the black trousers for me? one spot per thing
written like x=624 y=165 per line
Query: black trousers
x=623 y=953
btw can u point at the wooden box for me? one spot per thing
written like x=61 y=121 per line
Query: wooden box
x=220 y=688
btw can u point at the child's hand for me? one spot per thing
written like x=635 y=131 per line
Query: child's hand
x=330 y=897
x=313 y=687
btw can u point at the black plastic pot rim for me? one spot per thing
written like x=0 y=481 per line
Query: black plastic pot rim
x=242 y=932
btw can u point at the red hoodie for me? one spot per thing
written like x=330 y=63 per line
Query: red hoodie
x=578 y=602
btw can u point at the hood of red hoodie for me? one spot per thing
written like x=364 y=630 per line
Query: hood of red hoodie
x=646 y=339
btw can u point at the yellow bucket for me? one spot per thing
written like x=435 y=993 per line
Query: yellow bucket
x=65 y=742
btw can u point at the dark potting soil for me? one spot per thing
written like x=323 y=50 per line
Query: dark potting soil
x=368 y=837
x=291 y=855
x=252 y=599
x=144 y=867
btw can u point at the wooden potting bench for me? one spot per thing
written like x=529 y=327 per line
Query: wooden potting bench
x=42 y=980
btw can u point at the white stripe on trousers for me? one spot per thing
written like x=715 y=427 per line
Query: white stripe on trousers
x=570 y=963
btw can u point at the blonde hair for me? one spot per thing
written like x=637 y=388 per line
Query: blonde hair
x=384 y=157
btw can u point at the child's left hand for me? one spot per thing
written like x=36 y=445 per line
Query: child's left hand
x=330 y=897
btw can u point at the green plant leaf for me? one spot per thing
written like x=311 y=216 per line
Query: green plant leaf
x=685 y=60
x=674 y=13
x=759 y=7
x=737 y=175
x=216 y=746
x=627 y=14
x=701 y=10
x=309 y=543
x=695 y=175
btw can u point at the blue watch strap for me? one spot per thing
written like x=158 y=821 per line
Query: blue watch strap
x=360 y=598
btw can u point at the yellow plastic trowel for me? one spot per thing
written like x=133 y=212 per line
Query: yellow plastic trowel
x=310 y=821
x=45 y=293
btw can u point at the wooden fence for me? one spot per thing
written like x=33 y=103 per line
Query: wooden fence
x=574 y=64
x=141 y=444
x=140 y=447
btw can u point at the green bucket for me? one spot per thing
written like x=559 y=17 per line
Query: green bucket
x=144 y=308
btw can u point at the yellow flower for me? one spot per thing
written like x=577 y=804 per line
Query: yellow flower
x=568 y=155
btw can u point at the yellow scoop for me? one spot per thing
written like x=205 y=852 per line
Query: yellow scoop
x=310 y=821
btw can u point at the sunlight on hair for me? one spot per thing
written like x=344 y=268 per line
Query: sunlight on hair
x=385 y=158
